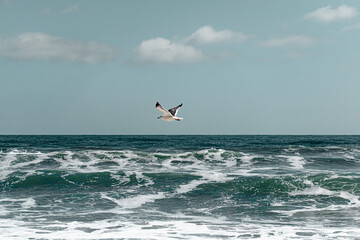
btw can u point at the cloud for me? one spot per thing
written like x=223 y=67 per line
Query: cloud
x=208 y=34
x=327 y=14
x=351 y=27
x=41 y=46
x=71 y=9
x=161 y=50
x=294 y=40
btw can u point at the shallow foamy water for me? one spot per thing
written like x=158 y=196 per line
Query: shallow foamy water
x=180 y=187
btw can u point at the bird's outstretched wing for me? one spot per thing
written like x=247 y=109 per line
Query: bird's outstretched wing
x=174 y=110
x=161 y=109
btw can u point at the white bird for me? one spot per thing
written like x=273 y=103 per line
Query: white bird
x=168 y=115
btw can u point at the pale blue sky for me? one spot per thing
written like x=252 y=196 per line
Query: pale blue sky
x=239 y=67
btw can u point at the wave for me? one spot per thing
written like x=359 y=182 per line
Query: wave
x=240 y=180
x=160 y=187
x=88 y=160
x=21 y=168
x=213 y=185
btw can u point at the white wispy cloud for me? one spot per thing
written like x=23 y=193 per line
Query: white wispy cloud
x=294 y=40
x=328 y=14
x=355 y=26
x=71 y=9
x=208 y=34
x=41 y=46
x=161 y=50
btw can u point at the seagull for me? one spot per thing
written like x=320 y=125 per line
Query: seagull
x=169 y=115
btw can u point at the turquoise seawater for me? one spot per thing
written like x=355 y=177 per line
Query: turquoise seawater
x=180 y=187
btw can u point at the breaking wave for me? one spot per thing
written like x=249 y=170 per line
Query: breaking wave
x=304 y=189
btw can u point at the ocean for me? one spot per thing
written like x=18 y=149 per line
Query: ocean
x=180 y=187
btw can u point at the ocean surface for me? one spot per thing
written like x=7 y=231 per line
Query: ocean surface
x=180 y=187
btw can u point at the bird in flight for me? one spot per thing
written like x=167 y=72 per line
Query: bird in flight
x=168 y=115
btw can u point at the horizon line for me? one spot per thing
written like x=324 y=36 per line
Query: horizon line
x=256 y=134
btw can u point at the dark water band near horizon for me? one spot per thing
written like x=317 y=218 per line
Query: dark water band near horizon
x=179 y=187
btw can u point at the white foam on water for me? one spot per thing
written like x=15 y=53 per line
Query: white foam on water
x=211 y=158
x=317 y=190
x=335 y=176
x=25 y=203
x=215 y=176
x=353 y=200
x=177 y=227
x=313 y=190
x=138 y=201
x=6 y=161
x=207 y=177
x=291 y=149
x=28 y=203
x=89 y=161
x=135 y=202
x=79 y=162
x=349 y=156
x=278 y=204
x=3 y=211
x=247 y=159
x=190 y=186
x=39 y=158
x=335 y=148
x=297 y=162
x=10 y=163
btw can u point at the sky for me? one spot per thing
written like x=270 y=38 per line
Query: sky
x=238 y=67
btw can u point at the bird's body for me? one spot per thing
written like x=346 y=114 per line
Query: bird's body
x=168 y=115
x=169 y=118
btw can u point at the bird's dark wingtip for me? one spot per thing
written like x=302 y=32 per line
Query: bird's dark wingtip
x=157 y=104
